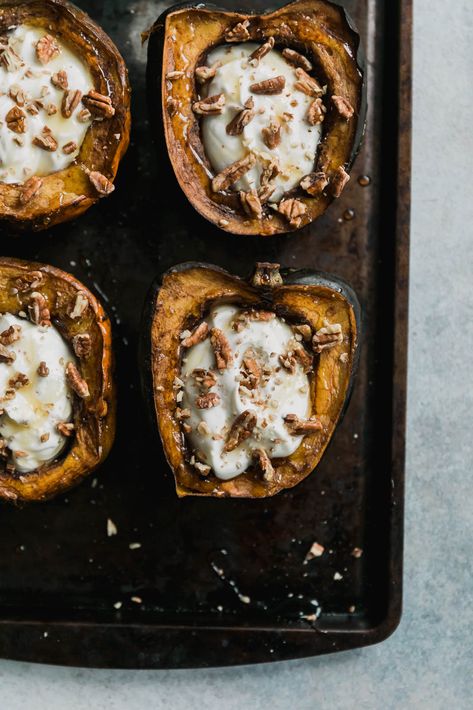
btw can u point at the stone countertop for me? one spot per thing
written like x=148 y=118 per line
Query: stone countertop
x=428 y=662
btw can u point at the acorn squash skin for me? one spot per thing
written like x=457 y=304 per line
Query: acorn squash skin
x=181 y=298
x=329 y=39
x=93 y=416
x=68 y=193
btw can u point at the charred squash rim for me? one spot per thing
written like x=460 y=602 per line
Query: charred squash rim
x=337 y=55
x=67 y=193
x=181 y=298
x=94 y=416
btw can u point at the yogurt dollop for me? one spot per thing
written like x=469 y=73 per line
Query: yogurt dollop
x=30 y=417
x=277 y=393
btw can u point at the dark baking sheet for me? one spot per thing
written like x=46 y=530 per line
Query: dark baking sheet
x=200 y=560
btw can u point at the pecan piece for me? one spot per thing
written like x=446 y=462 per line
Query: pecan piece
x=327 y=337
x=173 y=75
x=102 y=184
x=261 y=52
x=210 y=106
x=69 y=148
x=233 y=173
x=251 y=204
x=307 y=84
x=252 y=372
x=272 y=86
x=343 y=106
x=304 y=330
x=43 y=369
x=7 y=356
x=18 y=381
x=240 y=430
x=238 y=33
x=82 y=345
x=29 y=189
x=17 y=95
x=242 y=118
x=46 y=140
x=204 y=378
x=271 y=135
x=197 y=336
x=80 y=305
x=298 y=427
x=288 y=362
x=316 y=112
x=98 y=104
x=207 y=401
x=221 y=348
x=172 y=106
x=264 y=193
x=296 y=59
x=314 y=183
x=64 y=428
x=75 y=381
x=8 y=57
x=293 y=210
x=303 y=358
x=16 y=120
x=204 y=74
x=10 y=335
x=270 y=171
x=70 y=102
x=264 y=463
x=84 y=115
x=59 y=80
x=46 y=49
x=339 y=180
x=38 y=310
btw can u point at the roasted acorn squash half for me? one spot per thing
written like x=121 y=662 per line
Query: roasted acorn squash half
x=321 y=41
x=321 y=307
x=40 y=200
x=47 y=296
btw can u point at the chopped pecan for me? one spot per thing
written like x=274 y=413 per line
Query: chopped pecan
x=271 y=135
x=288 y=361
x=38 y=310
x=327 y=337
x=173 y=75
x=46 y=140
x=339 y=180
x=274 y=85
x=296 y=59
x=204 y=378
x=29 y=189
x=303 y=330
x=16 y=120
x=82 y=345
x=316 y=112
x=298 y=427
x=271 y=170
x=307 y=84
x=18 y=381
x=33 y=107
x=221 y=348
x=264 y=193
x=261 y=52
x=204 y=74
x=172 y=106
x=44 y=437
x=264 y=462
x=251 y=204
x=46 y=49
x=65 y=428
x=69 y=148
x=210 y=106
x=293 y=210
x=10 y=335
x=98 y=104
x=303 y=358
x=343 y=106
x=75 y=381
x=80 y=305
x=242 y=118
x=182 y=413
x=7 y=356
x=252 y=372
x=240 y=430
x=17 y=94
x=207 y=401
x=238 y=33
x=84 y=115
x=197 y=336
x=43 y=369
x=28 y=281
x=233 y=173
x=70 y=101
x=202 y=468
x=102 y=184
x=59 y=80
x=51 y=109
x=314 y=183
x=8 y=57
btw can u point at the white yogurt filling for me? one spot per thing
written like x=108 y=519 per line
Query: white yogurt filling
x=30 y=417
x=19 y=157
x=299 y=140
x=279 y=393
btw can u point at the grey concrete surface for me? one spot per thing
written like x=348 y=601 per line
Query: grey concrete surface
x=428 y=663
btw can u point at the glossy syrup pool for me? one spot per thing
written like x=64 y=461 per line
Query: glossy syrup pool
x=211 y=561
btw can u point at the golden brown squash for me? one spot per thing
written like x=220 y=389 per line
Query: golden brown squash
x=182 y=298
x=319 y=29
x=65 y=194
x=73 y=310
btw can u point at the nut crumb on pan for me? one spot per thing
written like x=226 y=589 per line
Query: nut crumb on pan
x=316 y=550
x=357 y=552
x=111 y=528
